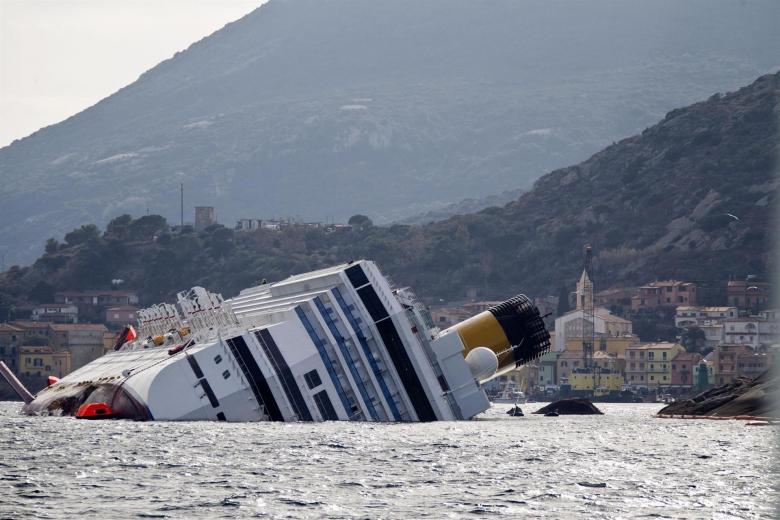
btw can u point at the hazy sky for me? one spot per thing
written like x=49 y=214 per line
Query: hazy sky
x=58 y=57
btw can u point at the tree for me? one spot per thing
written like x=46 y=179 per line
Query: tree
x=43 y=292
x=146 y=227
x=119 y=225
x=360 y=221
x=693 y=339
x=87 y=233
x=52 y=246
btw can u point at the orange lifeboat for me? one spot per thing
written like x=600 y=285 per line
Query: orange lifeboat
x=95 y=411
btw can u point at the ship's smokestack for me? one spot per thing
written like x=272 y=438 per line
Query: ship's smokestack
x=513 y=330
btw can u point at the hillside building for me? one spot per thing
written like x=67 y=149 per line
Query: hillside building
x=10 y=337
x=594 y=381
x=756 y=331
x=43 y=361
x=752 y=363
x=29 y=329
x=248 y=224
x=205 y=216
x=751 y=294
x=667 y=293
x=709 y=319
x=447 y=316
x=606 y=325
x=649 y=365
x=56 y=313
x=725 y=362
x=121 y=315
x=617 y=300
x=548 y=371
x=612 y=345
x=84 y=341
x=683 y=365
x=97 y=298
x=567 y=362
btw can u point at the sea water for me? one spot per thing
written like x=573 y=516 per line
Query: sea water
x=623 y=464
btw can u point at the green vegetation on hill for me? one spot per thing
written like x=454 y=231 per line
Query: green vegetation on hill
x=309 y=107
x=692 y=197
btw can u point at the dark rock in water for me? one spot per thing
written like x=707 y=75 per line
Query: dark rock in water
x=743 y=396
x=592 y=484
x=571 y=407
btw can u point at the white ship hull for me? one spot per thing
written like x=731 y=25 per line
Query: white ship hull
x=336 y=344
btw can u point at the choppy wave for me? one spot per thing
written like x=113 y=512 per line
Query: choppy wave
x=625 y=464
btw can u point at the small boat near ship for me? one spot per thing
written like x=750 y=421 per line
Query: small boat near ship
x=334 y=344
x=515 y=411
x=509 y=394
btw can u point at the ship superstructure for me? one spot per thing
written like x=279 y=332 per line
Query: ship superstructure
x=333 y=344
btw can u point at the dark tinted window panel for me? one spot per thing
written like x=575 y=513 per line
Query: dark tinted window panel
x=209 y=393
x=325 y=407
x=221 y=416
x=195 y=366
x=255 y=377
x=372 y=302
x=290 y=386
x=312 y=379
x=348 y=358
x=405 y=368
x=367 y=351
x=320 y=344
x=356 y=276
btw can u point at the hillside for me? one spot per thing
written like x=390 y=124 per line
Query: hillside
x=654 y=205
x=311 y=107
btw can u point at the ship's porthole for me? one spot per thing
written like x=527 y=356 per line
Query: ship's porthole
x=226 y=374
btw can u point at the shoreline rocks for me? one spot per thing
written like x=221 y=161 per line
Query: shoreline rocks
x=742 y=397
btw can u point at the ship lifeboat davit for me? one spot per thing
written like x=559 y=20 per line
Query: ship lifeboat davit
x=95 y=411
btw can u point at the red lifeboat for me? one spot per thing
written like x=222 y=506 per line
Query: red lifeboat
x=95 y=411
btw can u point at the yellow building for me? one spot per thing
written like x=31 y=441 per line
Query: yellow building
x=595 y=380
x=43 y=361
x=615 y=345
x=608 y=370
x=650 y=364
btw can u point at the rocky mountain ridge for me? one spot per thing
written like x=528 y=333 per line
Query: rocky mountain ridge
x=311 y=108
x=693 y=197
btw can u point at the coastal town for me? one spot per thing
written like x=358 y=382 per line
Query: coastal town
x=664 y=340
x=692 y=338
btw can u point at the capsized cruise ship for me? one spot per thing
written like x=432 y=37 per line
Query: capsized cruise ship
x=335 y=344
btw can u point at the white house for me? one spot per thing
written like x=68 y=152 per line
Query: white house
x=708 y=319
x=56 y=313
x=756 y=331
